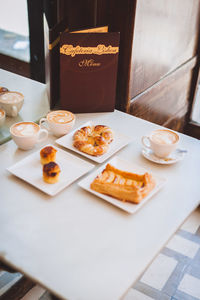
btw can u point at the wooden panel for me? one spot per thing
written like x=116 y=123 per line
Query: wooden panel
x=165 y=36
x=50 y=8
x=167 y=98
x=121 y=19
x=80 y=14
x=192 y=130
x=35 y=18
x=178 y=122
x=14 y=65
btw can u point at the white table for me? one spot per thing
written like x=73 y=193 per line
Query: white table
x=35 y=105
x=79 y=246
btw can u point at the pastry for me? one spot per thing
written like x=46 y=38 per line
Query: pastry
x=93 y=140
x=123 y=185
x=51 y=172
x=3 y=89
x=47 y=154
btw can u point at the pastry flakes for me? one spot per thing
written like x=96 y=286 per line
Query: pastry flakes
x=123 y=185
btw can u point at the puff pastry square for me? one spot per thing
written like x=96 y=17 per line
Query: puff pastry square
x=122 y=185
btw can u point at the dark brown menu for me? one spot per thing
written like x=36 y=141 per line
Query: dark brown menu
x=88 y=71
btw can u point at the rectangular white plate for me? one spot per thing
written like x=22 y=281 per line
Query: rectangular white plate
x=30 y=170
x=119 y=141
x=125 y=166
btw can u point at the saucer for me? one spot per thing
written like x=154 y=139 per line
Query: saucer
x=174 y=157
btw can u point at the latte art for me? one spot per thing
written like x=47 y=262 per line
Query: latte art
x=164 y=137
x=25 y=129
x=60 y=117
x=11 y=97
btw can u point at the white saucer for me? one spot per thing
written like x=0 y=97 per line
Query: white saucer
x=173 y=158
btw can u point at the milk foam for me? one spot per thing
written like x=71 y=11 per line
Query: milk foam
x=60 y=117
x=24 y=129
x=10 y=97
x=164 y=137
x=27 y=130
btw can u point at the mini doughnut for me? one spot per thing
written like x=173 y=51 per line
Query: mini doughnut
x=93 y=140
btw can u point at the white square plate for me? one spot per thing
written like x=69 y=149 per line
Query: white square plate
x=119 y=141
x=30 y=170
x=125 y=166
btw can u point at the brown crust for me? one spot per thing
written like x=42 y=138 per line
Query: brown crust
x=51 y=172
x=93 y=140
x=47 y=154
x=3 y=89
x=123 y=185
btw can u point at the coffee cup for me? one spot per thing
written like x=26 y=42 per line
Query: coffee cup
x=27 y=134
x=162 y=142
x=11 y=102
x=2 y=117
x=58 y=122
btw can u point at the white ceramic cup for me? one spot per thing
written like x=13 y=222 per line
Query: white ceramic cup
x=2 y=117
x=162 y=142
x=58 y=122
x=11 y=102
x=27 y=134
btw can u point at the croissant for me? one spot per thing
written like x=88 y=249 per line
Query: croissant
x=93 y=140
x=123 y=185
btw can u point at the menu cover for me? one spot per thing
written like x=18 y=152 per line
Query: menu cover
x=88 y=71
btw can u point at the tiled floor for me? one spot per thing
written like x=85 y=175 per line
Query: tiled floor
x=173 y=275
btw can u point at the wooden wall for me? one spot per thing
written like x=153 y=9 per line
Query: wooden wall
x=164 y=54
x=155 y=79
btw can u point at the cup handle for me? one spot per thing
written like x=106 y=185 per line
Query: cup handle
x=43 y=135
x=14 y=111
x=145 y=143
x=43 y=120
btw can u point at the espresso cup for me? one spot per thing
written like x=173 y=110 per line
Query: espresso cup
x=2 y=117
x=11 y=102
x=58 y=122
x=27 y=134
x=162 y=142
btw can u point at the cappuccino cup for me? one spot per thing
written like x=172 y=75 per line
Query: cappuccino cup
x=162 y=142
x=11 y=102
x=27 y=134
x=2 y=117
x=58 y=122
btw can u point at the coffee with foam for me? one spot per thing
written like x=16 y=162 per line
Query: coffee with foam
x=11 y=97
x=162 y=142
x=25 y=129
x=164 y=137
x=60 y=117
x=27 y=134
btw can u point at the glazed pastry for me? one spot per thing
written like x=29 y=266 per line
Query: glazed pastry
x=123 y=185
x=3 y=89
x=47 y=154
x=51 y=172
x=93 y=140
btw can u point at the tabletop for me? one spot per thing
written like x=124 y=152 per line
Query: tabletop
x=77 y=245
x=35 y=105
